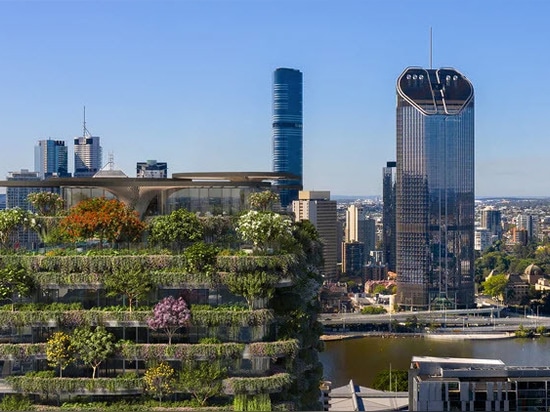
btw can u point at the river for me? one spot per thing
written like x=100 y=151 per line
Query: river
x=362 y=358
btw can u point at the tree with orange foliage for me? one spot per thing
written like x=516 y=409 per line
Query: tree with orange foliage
x=102 y=219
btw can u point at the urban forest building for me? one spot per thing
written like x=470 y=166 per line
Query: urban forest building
x=435 y=189
x=266 y=355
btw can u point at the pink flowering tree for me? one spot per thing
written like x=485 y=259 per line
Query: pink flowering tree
x=169 y=315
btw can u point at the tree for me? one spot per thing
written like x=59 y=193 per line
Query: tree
x=200 y=257
x=218 y=229
x=46 y=203
x=93 y=346
x=59 y=352
x=251 y=285
x=15 y=282
x=176 y=230
x=380 y=289
x=160 y=380
x=134 y=283
x=373 y=310
x=170 y=314
x=10 y=221
x=263 y=201
x=265 y=230
x=203 y=380
x=49 y=207
x=392 y=380
x=495 y=286
x=102 y=219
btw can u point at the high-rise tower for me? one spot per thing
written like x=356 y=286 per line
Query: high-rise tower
x=51 y=158
x=435 y=189
x=388 y=215
x=317 y=207
x=87 y=153
x=287 y=130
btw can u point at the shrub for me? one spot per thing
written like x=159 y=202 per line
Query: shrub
x=16 y=403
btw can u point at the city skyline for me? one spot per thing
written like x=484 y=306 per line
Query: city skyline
x=173 y=80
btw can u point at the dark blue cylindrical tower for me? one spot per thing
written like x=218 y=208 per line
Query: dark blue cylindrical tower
x=287 y=130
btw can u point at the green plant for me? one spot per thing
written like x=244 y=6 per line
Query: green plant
x=523 y=332
x=257 y=385
x=10 y=221
x=93 y=346
x=251 y=285
x=200 y=257
x=203 y=379
x=258 y=402
x=177 y=230
x=16 y=403
x=373 y=310
x=15 y=282
x=392 y=380
x=209 y=340
x=134 y=283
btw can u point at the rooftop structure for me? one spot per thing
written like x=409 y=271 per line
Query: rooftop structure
x=214 y=192
x=470 y=384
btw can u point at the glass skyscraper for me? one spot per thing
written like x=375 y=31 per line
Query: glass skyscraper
x=51 y=158
x=435 y=189
x=287 y=130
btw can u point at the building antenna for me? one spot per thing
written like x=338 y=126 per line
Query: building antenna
x=85 y=132
x=431 y=48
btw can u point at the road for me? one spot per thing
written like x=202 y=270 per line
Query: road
x=470 y=321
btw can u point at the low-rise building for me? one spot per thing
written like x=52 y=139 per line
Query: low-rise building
x=466 y=384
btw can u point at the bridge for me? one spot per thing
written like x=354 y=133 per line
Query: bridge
x=468 y=320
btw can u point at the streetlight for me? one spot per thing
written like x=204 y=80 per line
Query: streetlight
x=343 y=311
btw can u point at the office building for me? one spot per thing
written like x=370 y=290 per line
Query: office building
x=321 y=212
x=482 y=239
x=152 y=169
x=88 y=156
x=287 y=130
x=51 y=158
x=471 y=384
x=435 y=188
x=353 y=214
x=528 y=223
x=491 y=219
x=17 y=196
x=388 y=215
x=353 y=259
x=360 y=228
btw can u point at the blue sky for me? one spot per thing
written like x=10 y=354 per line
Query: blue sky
x=189 y=82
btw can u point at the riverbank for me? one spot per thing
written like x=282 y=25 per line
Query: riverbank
x=439 y=336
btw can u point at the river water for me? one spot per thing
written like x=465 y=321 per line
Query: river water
x=361 y=359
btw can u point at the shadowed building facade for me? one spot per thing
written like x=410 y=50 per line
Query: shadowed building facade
x=435 y=189
x=388 y=215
